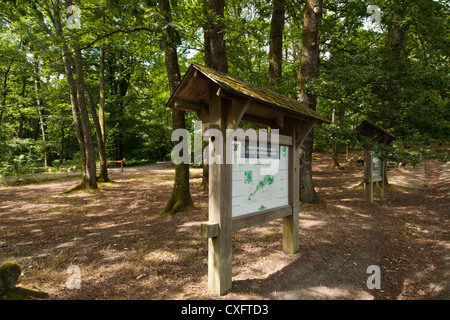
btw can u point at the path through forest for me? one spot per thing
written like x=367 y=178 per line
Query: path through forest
x=125 y=250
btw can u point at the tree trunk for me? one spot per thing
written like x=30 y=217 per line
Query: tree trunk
x=215 y=52
x=78 y=103
x=37 y=88
x=61 y=152
x=5 y=91
x=219 y=59
x=89 y=179
x=101 y=137
x=103 y=172
x=181 y=196
x=396 y=37
x=207 y=36
x=335 y=144
x=67 y=62
x=309 y=69
x=276 y=42
x=207 y=45
x=22 y=117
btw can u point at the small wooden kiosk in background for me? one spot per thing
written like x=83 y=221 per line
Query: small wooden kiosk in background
x=222 y=102
x=375 y=168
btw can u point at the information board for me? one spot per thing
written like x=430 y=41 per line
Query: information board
x=376 y=167
x=260 y=177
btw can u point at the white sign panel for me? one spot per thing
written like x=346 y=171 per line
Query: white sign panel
x=260 y=178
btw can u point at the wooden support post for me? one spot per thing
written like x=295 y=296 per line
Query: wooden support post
x=383 y=176
x=368 y=174
x=291 y=222
x=219 y=247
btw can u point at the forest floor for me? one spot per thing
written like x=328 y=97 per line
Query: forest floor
x=125 y=250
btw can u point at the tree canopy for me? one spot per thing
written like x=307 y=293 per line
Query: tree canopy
x=393 y=72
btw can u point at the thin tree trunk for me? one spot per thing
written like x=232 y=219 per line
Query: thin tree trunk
x=79 y=132
x=67 y=62
x=89 y=179
x=103 y=172
x=22 y=117
x=334 y=144
x=37 y=88
x=180 y=198
x=5 y=91
x=101 y=108
x=309 y=69
x=276 y=42
x=207 y=36
x=61 y=152
x=207 y=45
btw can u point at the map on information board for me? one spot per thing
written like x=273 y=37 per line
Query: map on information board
x=255 y=187
x=376 y=166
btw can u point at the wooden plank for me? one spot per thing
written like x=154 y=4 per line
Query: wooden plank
x=302 y=131
x=383 y=176
x=188 y=105
x=210 y=229
x=206 y=126
x=278 y=122
x=291 y=222
x=219 y=247
x=283 y=139
x=260 y=217
x=368 y=178
x=258 y=120
x=203 y=114
x=238 y=109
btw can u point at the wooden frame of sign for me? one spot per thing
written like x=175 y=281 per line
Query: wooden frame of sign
x=222 y=102
x=371 y=176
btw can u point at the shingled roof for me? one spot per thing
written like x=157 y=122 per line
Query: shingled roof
x=193 y=91
x=376 y=133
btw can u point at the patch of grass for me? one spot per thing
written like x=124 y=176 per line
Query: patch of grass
x=27 y=181
x=273 y=235
x=24 y=293
x=146 y=246
x=39 y=200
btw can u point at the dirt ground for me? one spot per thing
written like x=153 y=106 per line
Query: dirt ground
x=125 y=250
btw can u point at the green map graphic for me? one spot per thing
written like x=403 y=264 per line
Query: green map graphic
x=268 y=180
x=248 y=177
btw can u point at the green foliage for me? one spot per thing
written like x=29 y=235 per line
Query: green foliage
x=358 y=78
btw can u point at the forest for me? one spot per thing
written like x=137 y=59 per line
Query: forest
x=88 y=81
x=84 y=83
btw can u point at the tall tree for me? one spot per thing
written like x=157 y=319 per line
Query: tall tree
x=215 y=50
x=180 y=198
x=76 y=90
x=90 y=178
x=276 y=42
x=216 y=13
x=309 y=69
x=100 y=130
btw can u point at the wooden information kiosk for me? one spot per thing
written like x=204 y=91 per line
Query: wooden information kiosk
x=375 y=168
x=222 y=102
